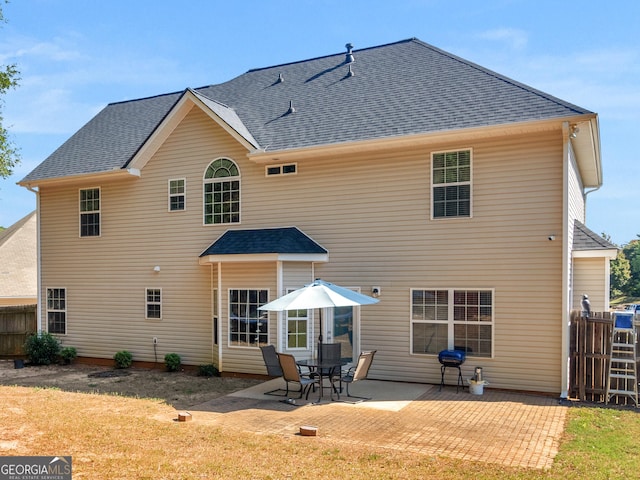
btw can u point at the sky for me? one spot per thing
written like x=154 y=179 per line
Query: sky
x=76 y=56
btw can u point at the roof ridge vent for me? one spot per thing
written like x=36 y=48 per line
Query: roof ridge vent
x=291 y=108
x=349 y=56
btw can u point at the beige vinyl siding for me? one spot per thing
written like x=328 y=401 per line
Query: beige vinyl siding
x=372 y=214
x=589 y=278
x=106 y=276
x=369 y=210
x=258 y=276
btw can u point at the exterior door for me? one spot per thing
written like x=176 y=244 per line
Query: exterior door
x=343 y=329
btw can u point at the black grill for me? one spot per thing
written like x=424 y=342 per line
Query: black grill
x=454 y=359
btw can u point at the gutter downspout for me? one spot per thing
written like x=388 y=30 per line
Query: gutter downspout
x=566 y=266
x=38 y=261
x=219 y=309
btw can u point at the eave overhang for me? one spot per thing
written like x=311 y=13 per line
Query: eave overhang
x=603 y=253
x=94 y=177
x=264 y=257
x=587 y=146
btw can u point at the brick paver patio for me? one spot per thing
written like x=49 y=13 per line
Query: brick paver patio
x=497 y=427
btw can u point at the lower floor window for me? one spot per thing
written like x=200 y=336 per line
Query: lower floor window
x=452 y=319
x=248 y=326
x=297 y=322
x=57 y=310
x=154 y=303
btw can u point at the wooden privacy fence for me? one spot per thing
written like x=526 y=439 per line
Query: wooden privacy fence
x=590 y=348
x=16 y=323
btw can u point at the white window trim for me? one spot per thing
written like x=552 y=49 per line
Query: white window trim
x=308 y=319
x=281 y=167
x=80 y=212
x=470 y=183
x=147 y=303
x=225 y=179
x=228 y=317
x=66 y=309
x=450 y=322
x=171 y=195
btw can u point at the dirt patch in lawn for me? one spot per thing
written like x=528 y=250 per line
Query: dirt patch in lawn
x=179 y=389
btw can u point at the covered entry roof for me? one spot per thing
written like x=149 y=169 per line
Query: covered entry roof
x=287 y=243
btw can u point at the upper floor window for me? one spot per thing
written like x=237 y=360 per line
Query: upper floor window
x=90 y=212
x=451 y=182
x=222 y=192
x=177 y=194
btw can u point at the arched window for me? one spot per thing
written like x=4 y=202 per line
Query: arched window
x=222 y=192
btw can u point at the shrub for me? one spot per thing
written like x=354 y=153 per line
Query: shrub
x=209 y=370
x=123 y=359
x=172 y=361
x=42 y=348
x=68 y=354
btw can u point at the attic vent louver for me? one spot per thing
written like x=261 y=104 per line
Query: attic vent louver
x=349 y=57
x=291 y=108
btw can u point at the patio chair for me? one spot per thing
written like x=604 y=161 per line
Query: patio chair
x=356 y=373
x=270 y=357
x=291 y=373
x=330 y=354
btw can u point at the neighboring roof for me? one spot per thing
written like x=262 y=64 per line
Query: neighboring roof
x=18 y=259
x=398 y=89
x=585 y=240
x=288 y=240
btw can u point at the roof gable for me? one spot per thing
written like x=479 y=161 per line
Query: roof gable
x=220 y=113
x=18 y=259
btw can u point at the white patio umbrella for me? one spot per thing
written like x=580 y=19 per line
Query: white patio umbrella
x=319 y=294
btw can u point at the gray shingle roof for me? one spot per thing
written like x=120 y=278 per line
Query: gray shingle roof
x=260 y=241
x=402 y=88
x=585 y=239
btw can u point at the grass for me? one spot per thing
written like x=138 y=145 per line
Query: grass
x=621 y=301
x=111 y=437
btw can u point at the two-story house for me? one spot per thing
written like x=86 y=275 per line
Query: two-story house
x=455 y=192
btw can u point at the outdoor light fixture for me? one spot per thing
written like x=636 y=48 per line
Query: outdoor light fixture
x=156 y=268
x=574 y=131
x=375 y=292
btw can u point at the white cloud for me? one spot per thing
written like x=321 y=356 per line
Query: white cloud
x=514 y=38
x=59 y=49
x=61 y=86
